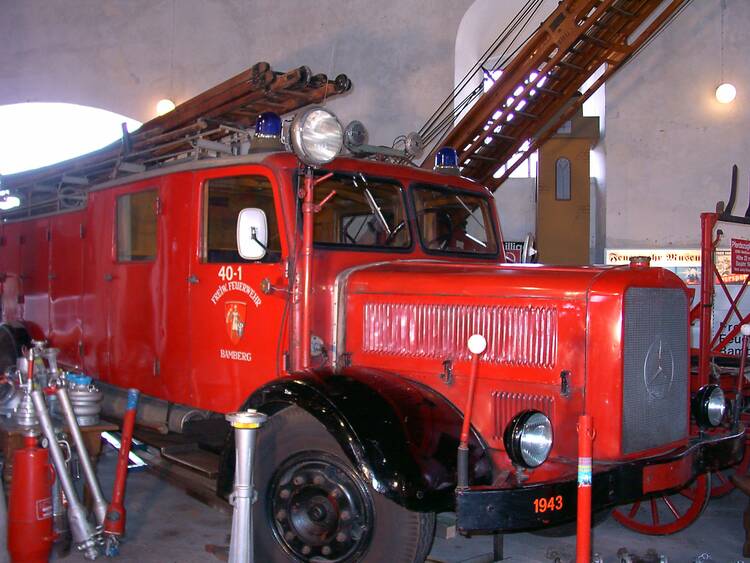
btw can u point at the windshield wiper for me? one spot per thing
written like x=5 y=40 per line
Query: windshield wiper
x=374 y=209
x=471 y=214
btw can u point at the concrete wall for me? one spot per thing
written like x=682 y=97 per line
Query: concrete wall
x=125 y=55
x=669 y=144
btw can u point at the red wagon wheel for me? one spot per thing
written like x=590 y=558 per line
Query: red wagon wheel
x=666 y=514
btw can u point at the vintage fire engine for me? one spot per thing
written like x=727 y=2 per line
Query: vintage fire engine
x=337 y=295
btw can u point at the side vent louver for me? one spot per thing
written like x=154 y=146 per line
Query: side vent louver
x=516 y=336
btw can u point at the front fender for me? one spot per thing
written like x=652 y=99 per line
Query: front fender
x=400 y=436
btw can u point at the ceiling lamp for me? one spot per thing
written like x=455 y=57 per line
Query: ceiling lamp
x=726 y=93
x=164 y=106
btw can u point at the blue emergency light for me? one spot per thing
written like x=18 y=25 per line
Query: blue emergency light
x=446 y=158
x=268 y=125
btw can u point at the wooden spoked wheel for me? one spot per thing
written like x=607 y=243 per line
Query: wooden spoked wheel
x=662 y=515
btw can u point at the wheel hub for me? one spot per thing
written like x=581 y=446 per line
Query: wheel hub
x=320 y=508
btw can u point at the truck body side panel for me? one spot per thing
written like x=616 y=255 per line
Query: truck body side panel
x=66 y=285
x=35 y=275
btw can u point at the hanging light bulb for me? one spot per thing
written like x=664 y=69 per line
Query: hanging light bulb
x=164 y=106
x=726 y=93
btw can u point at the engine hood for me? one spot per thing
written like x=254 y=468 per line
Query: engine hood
x=436 y=278
x=426 y=311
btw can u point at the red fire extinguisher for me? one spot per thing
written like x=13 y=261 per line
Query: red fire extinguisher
x=30 y=506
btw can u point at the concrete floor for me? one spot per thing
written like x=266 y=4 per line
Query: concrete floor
x=165 y=525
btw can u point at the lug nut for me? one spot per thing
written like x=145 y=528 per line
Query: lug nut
x=281 y=515
x=341 y=537
x=318 y=480
x=298 y=480
x=289 y=536
x=326 y=550
x=284 y=493
x=306 y=550
x=345 y=515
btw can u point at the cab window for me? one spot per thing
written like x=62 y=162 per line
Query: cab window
x=454 y=222
x=224 y=198
x=361 y=211
x=136 y=226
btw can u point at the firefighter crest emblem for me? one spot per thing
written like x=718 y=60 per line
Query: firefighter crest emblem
x=235 y=319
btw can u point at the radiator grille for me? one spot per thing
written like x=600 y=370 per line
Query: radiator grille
x=655 y=370
x=516 y=336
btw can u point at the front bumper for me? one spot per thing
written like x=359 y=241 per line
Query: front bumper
x=483 y=509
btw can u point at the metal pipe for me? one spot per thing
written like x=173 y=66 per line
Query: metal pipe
x=708 y=222
x=739 y=397
x=100 y=505
x=114 y=525
x=82 y=531
x=303 y=298
x=477 y=345
x=246 y=425
x=583 y=520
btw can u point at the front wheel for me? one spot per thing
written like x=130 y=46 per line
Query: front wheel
x=662 y=515
x=314 y=506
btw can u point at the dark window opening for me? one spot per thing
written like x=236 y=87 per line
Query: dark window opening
x=224 y=199
x=136 y=226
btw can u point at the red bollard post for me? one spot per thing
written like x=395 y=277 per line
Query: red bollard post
x=114 y=523
x=585 y=454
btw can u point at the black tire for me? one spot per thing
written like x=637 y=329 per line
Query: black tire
x=12 y=338
x=313 y=504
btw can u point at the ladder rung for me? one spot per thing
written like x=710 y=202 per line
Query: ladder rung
x=481 y=157
x=549 y=91
x=501 y=136
x=620 y=11
x=525 y=114
x=598 y=42
x=571 y=65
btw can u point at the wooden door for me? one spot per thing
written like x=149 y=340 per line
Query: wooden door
x=563 y=202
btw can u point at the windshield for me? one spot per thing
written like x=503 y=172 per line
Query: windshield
x=361 y=211
x=454 y=222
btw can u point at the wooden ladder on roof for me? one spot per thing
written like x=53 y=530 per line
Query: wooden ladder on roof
x=537 y=91
x=212 y=123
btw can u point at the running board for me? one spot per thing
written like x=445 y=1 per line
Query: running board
x=193 y=457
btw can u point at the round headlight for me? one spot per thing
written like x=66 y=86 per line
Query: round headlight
x=528 y=439
x=709 y=406
x=317 y=136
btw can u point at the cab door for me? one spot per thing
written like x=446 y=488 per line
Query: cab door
x=136 y=288
x=235 y=329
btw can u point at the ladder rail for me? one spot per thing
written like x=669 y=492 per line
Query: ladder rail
x=535 y=93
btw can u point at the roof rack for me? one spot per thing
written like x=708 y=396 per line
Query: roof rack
x=217 y=122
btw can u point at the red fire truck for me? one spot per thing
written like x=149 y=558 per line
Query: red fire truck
x=337 y=295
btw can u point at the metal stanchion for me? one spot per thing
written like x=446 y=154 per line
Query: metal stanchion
x=245 y=424
x=83 y=533
x=585 y=476
x=739 y=397
x=100 y=505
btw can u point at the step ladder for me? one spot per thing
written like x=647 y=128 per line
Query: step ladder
x=537 y=91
